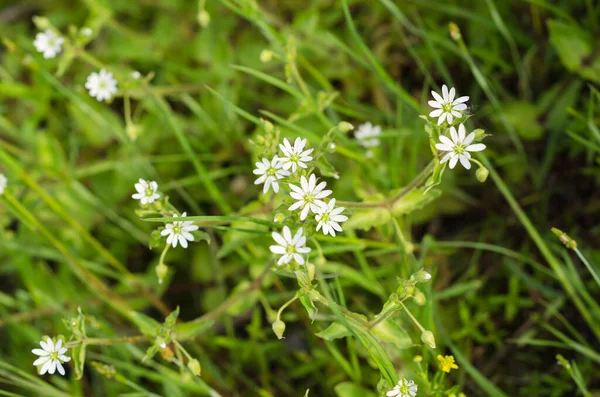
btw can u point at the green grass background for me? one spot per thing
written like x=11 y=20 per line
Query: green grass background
x=506 y=296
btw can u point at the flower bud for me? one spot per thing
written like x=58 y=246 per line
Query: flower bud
x=419 y=297
x=278 y=328
x=194 y=367
x=268 y=126
x=455 y=31
x=428 y=339
x=203 y=18
x=310 y=268
x=482 y=174
x=344 y=127
x=266 y=56
x=418 y=359
x=161 y=272
x=479 y=134
x=422 y=276
x=279 y=217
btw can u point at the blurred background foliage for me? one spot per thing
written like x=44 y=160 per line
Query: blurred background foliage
x=532 y=70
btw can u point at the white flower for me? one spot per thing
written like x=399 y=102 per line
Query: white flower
x=295 y=156
x=459 y=147
x=3 y=183
x=404 y=388
x=289 y=247
x=179 y=231
x=51 y=357
x=87 y=31
x=309 y=195
x=48 y=43
x=446 y=107
x=101 y=86
x=367 y=134
x=146 y=192
x=270 y=173
x=329 y=218
x=136 y=75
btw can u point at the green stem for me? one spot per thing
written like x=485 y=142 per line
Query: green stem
x=588 y=265
x=389 y=202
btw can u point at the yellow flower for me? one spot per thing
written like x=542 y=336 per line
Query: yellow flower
x=447 y=363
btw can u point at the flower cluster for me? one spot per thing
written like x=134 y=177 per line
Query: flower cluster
x=449 y=110
x=101 y=85
x=309 y=198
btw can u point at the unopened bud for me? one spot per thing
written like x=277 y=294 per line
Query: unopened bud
x=455 y=31
x=428 y=339
x=482 y=174
x=344 y=127
x=418 y=359
x=161 y=272
x=422 y=276
x=268 y=126
x=203 y=18
x=194 y=367
x=419 y=297
x=279 y=217
x=310 y=268
x=266 y=56
x=479 y=134
x=278 y=328
x=564 y=238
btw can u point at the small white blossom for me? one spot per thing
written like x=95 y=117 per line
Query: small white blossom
x=136 y=75
x=289 y=247
x=329 y=218
x=179 y=231
x=52 y=356
x=459 y=147
x=446 y=107
x=3 y=183
x=308 y=196
x=296 y=156
x=270 y=172
x=87 y=31
x=404 y=388
x=48 y=43
x=367 y=134
x=146 y=192
x=102 y=85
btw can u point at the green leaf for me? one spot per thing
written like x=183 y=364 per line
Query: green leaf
x=574 y=47
x=523 y=116
x=348 y=389
x=146 y=324
x=367 y=219
x=334 y=331
x=390 y=332
x=414 y=200
x=152 y=350
x=78 y=355
x=436 y=177
x=308 y=305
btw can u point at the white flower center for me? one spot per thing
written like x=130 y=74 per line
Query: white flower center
x=309 y=198
x=290 y=249
x=294 y=158
x=149 y=192
x=177 y=229
x=325 y=217
x=271 y=171
x=447 y=107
